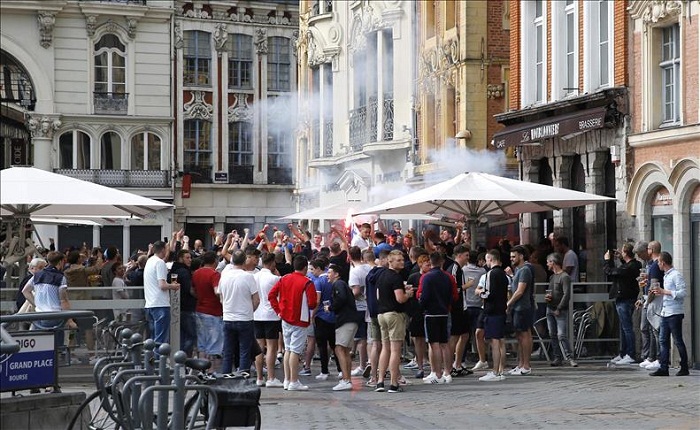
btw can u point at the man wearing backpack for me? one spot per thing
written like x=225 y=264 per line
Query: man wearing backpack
x=521 y=305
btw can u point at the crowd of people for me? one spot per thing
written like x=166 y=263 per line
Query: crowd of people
x=255 y=301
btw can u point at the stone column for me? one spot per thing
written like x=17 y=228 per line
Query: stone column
x=42 y=127
x=561 y=168
x=595 y=216
x=528 y=228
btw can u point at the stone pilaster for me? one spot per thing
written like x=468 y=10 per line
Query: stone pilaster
x=42 y=127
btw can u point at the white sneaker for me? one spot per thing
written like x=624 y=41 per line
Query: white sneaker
x=491 y=377
x=411 y=365
x=447 y=378
x=480 y=365
x=296 y=386
x=654 y=365
x=645 y=363
x=322 y=376
x=260 y=382
x=514 y=371
x=343 y=385
x=286 y=384
x=626 y=360
x=431 y=379
x=274 y=383
x=358 y=371
x=501 y=377
x=616 y=359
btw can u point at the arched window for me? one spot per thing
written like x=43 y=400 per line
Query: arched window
x=110 y=76
x=145 y=151
x=74 y=150
x=111 y=151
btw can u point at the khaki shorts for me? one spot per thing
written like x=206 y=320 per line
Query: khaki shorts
x=392 y=326
x=375 y=335
x=345 y=334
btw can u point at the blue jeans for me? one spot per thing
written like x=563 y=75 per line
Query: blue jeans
x=56 y=325
x=238 y=336
x=188 y=331
x=672 y=325
x=625 y=309
x=159 y=324
x=650 y=337
x=557 y=326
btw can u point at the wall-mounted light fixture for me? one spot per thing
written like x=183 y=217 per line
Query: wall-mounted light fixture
x=615 y=154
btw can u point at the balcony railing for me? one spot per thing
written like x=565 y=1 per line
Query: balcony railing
x=199 y=175
x=121 y=178
x=111 y=103
x=373 y=118
x=240 y=175
x=358 y=128
x=328 y=138
x=137 y=2
x=279 y=175
x=388 y=123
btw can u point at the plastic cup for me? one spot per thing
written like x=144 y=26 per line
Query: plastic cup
x=173 y=278
x=326 y=305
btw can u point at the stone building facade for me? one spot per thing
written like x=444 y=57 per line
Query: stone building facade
x=86 y=89
x=235 y=103
x=664 y=139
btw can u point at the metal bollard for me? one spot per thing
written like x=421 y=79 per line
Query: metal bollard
x=164 y=351
x=178 y=418
x=149 y=345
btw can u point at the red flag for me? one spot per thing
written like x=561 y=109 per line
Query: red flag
x=186 y=186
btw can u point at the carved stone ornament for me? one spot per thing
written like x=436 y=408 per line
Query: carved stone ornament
x=198 y=108
x=43 y=126
x=261 y=41
x=365 y=21
x=495 y=91
x=295 y=42
x=179 y=41
x=660 y=9
x=46 y=21
x=90 y=24
x=197 y=13
x=131 y=24
x=220 y=36
x=240 y=111
x=313 y=52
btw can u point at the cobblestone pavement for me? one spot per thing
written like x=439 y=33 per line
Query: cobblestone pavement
x=588 y=397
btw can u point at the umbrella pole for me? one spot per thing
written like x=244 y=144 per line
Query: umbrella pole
x=472 y=232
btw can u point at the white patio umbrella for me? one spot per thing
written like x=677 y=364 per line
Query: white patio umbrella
x=476 y=195
x=341 y=211
x=27 y=191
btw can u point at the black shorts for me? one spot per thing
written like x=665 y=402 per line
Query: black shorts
x=416 y=327
x=436 y=330
x=474 y=315
x=268 y=329
x=480 y=320
x=522 y=320
x=361 y=333
x=494 y=326
x=459 y=323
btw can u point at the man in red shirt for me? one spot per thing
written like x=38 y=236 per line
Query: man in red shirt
x=293 y=298
x=205 y=281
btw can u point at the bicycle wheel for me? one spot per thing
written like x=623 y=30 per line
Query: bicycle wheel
x=91 y=415
x=193 y=406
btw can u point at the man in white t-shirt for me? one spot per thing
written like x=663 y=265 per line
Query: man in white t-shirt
x=570 y=263
x=358 y=274
x=364 y=239
x=268 y=325
x=240 y=299
x=156 y=292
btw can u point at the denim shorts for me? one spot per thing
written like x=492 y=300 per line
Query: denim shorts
x=210 y=334
x=522 y=319
x=294 y=337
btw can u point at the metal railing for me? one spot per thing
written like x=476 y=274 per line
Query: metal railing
x=328 y=138
x=111 y=103
x=120 y=178
x=358 y=128
x=388 y=120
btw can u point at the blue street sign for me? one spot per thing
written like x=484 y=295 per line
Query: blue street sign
x=34 y=366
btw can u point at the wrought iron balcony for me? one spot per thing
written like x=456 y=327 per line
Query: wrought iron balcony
x=111 y=103
x=388 y=122
x=136 y=2
x=279 y=175
x=373 y=118
x=121 y=178
x=358 y=128
x=200 y=175
x=240 y=175
x=328 y=138
x=322 y=6
x=316 y=138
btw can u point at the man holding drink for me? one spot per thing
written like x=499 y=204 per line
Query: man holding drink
x=557 y=298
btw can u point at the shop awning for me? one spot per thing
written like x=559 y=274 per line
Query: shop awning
x=557 y=126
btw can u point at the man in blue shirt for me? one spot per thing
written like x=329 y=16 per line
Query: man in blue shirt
x=672 y=313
